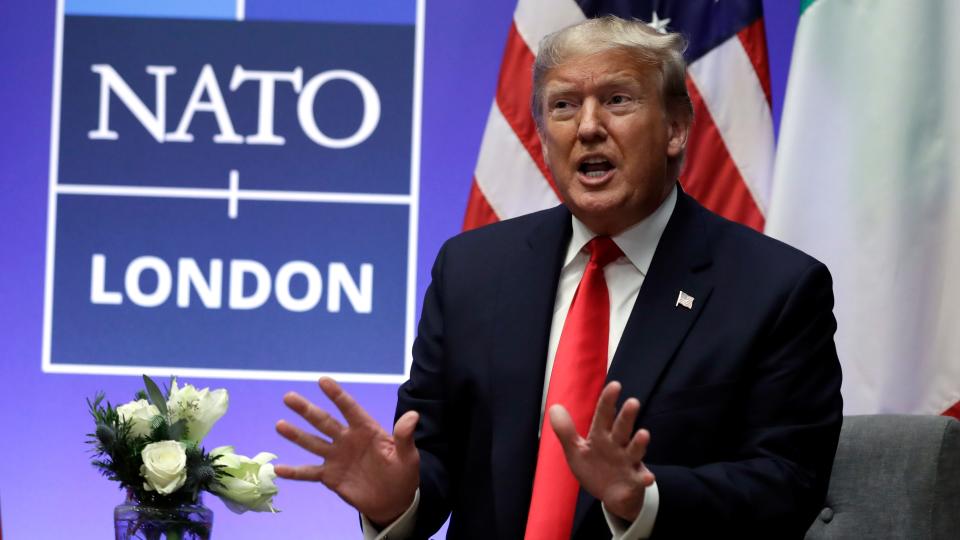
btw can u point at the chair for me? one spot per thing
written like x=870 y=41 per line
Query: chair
x=895 y=476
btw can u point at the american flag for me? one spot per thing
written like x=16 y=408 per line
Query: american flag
x=729 y=160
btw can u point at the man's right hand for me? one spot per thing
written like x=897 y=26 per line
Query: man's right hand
x=376 y=473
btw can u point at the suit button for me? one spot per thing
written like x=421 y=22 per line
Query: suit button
x=826 y=515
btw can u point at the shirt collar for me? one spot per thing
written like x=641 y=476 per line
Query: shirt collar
x=638 y=242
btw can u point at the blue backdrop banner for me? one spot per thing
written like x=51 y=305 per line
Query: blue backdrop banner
x=232 y=198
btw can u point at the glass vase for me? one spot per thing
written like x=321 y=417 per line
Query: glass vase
x=134 y=521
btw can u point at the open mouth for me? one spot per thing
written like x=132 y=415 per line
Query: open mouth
x=595 y=167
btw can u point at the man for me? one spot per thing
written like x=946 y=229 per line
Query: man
x=724 y=335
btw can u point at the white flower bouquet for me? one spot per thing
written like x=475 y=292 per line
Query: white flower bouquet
x=151 y=446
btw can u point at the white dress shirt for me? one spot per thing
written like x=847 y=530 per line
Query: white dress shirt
x=624 y=277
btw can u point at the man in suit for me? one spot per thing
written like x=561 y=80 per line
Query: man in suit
x=724 y=335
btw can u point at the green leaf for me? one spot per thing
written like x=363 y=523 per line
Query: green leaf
x=156 y=397
x=158 y=428
x=178 y=430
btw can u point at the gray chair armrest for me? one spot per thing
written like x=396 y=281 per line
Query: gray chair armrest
x=894 y=476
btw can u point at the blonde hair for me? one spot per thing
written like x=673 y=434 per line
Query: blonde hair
x=642 y=42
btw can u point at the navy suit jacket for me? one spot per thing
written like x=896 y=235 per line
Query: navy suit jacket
x=741 y=393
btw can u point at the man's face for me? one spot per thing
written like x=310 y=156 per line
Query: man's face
x=606 y=137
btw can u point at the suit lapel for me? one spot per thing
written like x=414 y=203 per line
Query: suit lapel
x=657 y=325
x=525 y=311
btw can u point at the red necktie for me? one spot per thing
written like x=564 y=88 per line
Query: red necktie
x=579 y=369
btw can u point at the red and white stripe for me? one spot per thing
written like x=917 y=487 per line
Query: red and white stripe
x=729 y=154
x=511 y=178
x=729 y=165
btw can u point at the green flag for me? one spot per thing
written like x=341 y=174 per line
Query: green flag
x=867 y=179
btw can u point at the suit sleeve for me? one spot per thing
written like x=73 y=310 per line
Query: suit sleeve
x=425 y=393
x=776 y=479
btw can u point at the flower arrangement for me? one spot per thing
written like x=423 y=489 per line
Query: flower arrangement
x=151 y=446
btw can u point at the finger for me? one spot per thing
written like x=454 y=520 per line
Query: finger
x=563 y=427
x=403 y=432
x=606 y=409
x=352 y=412
x=637 y=448
x=646 y=478
x=312 y=473
x=318 y=418
x=623 y=425
x=307 y=441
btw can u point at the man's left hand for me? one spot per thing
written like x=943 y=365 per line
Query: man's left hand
x=608 y=463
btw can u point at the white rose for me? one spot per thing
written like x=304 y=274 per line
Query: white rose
x=164 y=466
x=248 y=483
x=200 y=408
x=138 y=415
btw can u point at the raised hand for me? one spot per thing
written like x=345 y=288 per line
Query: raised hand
x=608 y=463
x=376 y=473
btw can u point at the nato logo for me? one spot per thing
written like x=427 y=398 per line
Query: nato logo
x=234 y=188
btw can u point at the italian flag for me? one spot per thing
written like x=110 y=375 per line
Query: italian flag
x=867 y=179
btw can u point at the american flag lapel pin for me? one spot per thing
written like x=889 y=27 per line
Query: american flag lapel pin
x=684 y=300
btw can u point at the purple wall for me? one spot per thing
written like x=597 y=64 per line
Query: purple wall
x=47 y=487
